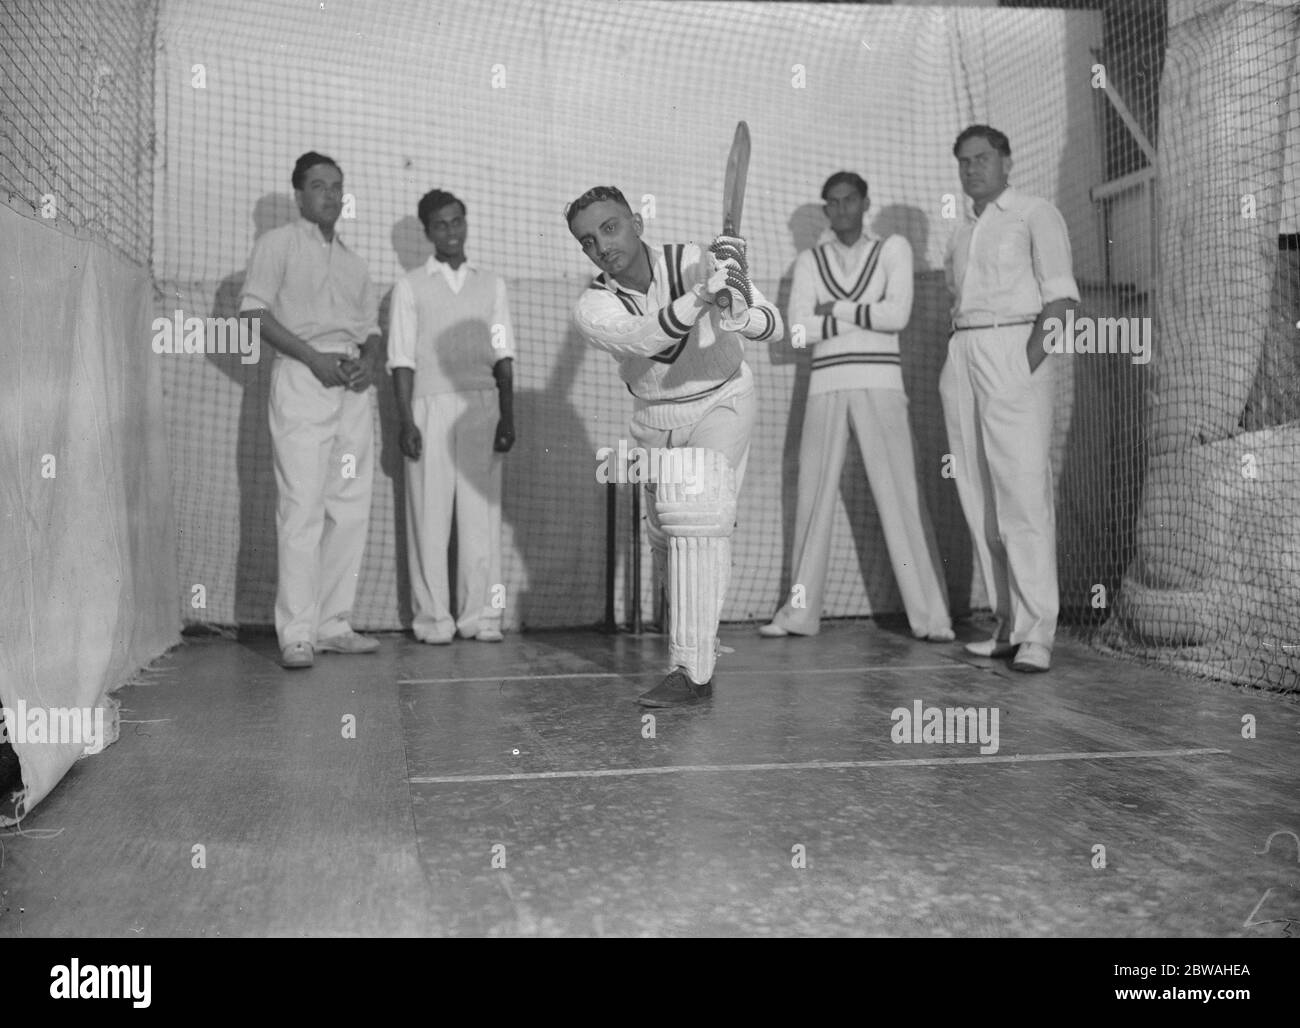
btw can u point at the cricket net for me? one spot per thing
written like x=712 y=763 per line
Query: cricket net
x=1167 y=135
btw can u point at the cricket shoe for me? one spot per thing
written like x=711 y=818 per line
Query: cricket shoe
x=991 y=648
x=677 y=690
x=775 y=631
x=297 y=655
x=939 y=635
x=1032 y=657
x=347 y=642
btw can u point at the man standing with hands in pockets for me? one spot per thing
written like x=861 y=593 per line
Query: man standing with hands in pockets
x=1009 y=271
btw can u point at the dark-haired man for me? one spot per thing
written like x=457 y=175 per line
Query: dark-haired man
x=319 y=311
x=851 y=296
x=1009 y=271
x=451 y=351
x=679 y=347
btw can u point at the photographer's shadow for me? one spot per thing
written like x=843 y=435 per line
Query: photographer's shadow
x=256 y=566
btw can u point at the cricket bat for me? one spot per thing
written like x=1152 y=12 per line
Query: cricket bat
x=733 y=191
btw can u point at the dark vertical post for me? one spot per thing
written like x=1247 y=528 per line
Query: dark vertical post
x=611 y=552
x=636 y=559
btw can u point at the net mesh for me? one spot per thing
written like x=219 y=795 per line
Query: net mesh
x=1211 y=582
x=548 y=101
x=87 y=543
x=77 y=117
x=1175 y=172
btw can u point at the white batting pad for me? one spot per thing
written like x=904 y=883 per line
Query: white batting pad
x=696 y=507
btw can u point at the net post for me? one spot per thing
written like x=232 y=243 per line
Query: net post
x=611 y=552
x=635 y=623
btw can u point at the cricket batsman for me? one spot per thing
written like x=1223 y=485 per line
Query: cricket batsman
x=675 y=319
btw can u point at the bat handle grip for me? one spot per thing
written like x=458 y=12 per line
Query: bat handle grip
x=723 y=299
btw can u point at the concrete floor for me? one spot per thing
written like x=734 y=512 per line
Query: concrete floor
x=513 y=790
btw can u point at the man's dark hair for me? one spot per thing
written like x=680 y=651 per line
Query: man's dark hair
x=594 y=195
x=308 y=161
x=434 y=201
x=852 y=178
x=997 y=140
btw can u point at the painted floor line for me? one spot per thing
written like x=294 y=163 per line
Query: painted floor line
x=812 y=765
x=955 y=666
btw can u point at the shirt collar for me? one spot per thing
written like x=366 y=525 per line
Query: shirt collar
x=310 y=228
x=829 y=236
x=1008 y=199
x=606 y=281
x=433 y=266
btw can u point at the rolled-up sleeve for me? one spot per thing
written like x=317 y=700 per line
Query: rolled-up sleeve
x=402 y=327
x=370 y=307
x=265 y=273
x=503 y=330
x=1050 y=243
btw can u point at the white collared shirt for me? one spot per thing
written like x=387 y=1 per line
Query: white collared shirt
x=455 y=276
x=316 y=288
x=1011 y=261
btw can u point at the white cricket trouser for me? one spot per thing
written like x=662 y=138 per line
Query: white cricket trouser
x=457 y=467
x=999 y=420
x=323 y=445
x=725 y=428
x=879 y=418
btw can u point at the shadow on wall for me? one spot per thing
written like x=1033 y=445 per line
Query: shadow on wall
x=550 y=464
x=1098 y=498
x=256 y=569
x=413 y=249
x=255 y=574
x=806 y=225
x=552 y=503
x=924 y=348
x=1104 y=462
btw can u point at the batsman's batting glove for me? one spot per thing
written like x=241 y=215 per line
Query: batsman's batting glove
x=727 y=278
x=734 y=247
x=731 y=250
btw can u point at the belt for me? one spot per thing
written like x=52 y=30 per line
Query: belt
x=961 y=324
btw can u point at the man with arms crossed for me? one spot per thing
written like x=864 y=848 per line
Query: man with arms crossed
x=682 y=358
x=1009 y=270
x=319 y=310
x=851 y=296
